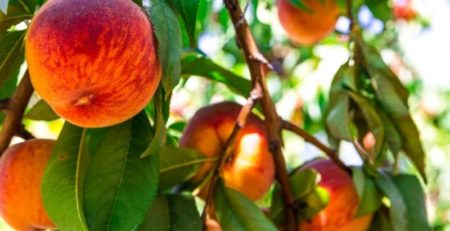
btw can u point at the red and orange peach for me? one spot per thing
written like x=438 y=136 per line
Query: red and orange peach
x=22 y=167
x=310 y=25
x=339 y=214
x=93 y=61
x=250 y=170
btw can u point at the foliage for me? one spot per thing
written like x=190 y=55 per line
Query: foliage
x=134 y=175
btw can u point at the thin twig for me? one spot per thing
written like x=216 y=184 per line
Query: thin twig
x=14 y=112
x=313 y=140
x=227 y=150
x=24 y=133
x=257 y=66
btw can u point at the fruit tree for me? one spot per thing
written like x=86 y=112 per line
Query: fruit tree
x=192 y=115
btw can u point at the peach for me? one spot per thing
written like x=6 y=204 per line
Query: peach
x=22 y=167
x=308 y=26
x=93 y=61
x=338 y=215
x=250 y=169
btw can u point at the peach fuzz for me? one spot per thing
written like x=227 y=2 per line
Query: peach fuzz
x=22 y=167
x=343 y=203
x=93 y=61
x=307 y=27
x=250 y=169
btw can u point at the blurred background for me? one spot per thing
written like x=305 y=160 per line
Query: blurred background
x=414 y=39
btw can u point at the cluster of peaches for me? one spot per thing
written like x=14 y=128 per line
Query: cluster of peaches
x=95 y=63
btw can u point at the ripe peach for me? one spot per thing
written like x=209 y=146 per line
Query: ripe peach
x=250 y=170
x=21 y=170
x=307 y=27
x=93 y=61
x=338 y=215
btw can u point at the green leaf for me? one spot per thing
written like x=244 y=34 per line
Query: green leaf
x=381 y=222
x=107 y=186
x=398 y=209
x=41 y=111
x=369 y=195
x=373 y=120
x=11 y=54
x=412 y=191
x=337 y=115
x=188 y=12
x=159 y=139
x=194 y=63
x=313 y=203
x=62 y=187
x=380 y=9
x=172 y=212
x=168 y=34
x=393 y=99
x=178 y=164
x=236 y=212
x=184 y=213
x=302 y=183
x=16 y=13
x=391 y=136
x=158 y=216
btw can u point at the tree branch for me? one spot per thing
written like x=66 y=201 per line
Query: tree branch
x=14 y=112
x=257 y=65
x=313 y=140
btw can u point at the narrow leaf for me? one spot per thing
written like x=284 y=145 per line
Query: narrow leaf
x=96 y=179
x=196 y=64
x=168 y=34
x=41 y=111
x=398 y=207
x=62 y=192
x=369 y=195
x=373 y=120
x=236 y=212
x=393 y=98
x=119 y=185
x=11 y=54
x=178 y=164
x=337 y=115
x=159 y=139
x=188 y=11
x=411 y=190
x=172 y=212
x=16 y=13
